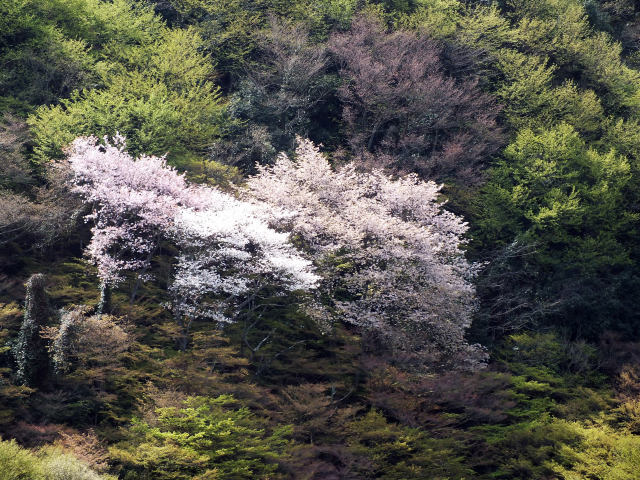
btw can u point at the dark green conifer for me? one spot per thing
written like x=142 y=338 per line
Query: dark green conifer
x=30 y=349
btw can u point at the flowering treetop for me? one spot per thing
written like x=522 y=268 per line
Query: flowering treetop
x=223 y=242
x=389 y=253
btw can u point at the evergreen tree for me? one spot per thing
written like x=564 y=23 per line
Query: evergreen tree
x=29 y=349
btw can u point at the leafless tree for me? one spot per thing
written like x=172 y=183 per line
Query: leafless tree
x=402 y=108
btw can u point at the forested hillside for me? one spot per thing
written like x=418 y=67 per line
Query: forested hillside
x=319 y=239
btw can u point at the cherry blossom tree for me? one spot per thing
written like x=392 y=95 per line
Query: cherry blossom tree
x=228 y=252
x=134 y=203
x=225 y=245
x=389 y=254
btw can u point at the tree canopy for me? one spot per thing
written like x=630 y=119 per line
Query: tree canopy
x=319 y=239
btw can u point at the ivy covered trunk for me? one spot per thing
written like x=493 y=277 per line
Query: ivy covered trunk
x=30 y=349
x=104 y=305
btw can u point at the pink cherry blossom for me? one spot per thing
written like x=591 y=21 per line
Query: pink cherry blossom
x=389 y=254
x=225 y=244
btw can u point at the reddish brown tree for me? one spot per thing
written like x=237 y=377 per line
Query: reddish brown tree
x=401 y=105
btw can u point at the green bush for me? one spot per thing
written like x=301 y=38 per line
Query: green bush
x=17 y=463
x=49 y=48
x=600 y=452
x=567 y=200
x=204 y=436
x=399 y=452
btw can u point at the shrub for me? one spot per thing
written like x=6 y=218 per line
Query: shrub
x=17 y=463
x=204 y=436
x=398 y=452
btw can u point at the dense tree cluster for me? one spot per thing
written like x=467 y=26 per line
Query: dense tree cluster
x=343 y=239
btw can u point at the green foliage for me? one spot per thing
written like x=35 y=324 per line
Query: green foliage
x=160 y=97
x=438 y=17
x=553 y=183
x=599 y=452
x=204 y=434
x=108 y=67
x=552 y=376
x=229 y=31
x=531 y=100
x=45 y=64
x=49 y=48
x=555 y=390
x=526 y=450
x=231 y=28
x=541 y=55
x=552 y=448
x=561 y=31
x=568 y=200
x=398 y=452
x=548 y=350
x=17 y=463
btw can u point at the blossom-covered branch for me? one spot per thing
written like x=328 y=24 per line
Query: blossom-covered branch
x=224 y=244
x=390 y=255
